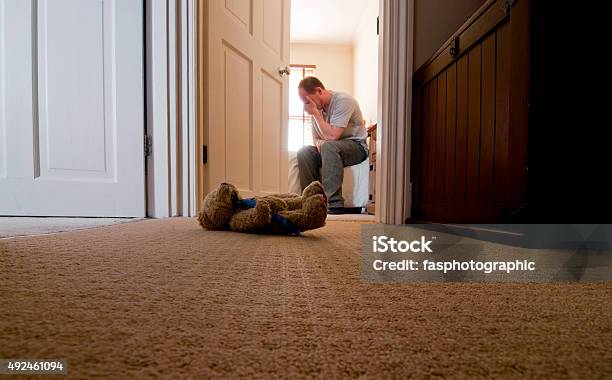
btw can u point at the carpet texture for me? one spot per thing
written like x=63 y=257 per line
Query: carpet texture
x=166 y=299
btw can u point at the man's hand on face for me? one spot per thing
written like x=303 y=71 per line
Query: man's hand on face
x=309 y=106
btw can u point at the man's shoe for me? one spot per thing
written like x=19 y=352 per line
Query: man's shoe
x=353 y=210
x=336 y=211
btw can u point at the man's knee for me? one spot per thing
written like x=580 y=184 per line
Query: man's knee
x=305 y=153
x=329 y=147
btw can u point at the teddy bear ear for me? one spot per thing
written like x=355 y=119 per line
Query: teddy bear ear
x=227 y=193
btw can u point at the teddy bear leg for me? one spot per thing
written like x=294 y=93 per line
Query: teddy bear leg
x=297 y=201
x=251 y=219
x=311 y=216
x=313 y=189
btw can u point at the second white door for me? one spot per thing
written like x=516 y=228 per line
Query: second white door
x=247 y=94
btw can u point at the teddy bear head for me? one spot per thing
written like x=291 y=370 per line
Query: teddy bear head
x=218 y=207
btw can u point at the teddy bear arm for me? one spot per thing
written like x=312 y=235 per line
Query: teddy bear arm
x=286 y=195
x=276 y=204
x=251 y=219
x=294 y=203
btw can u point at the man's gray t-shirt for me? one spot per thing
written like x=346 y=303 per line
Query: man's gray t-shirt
x=344 y=112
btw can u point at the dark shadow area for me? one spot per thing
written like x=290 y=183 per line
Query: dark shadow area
x=534 y=236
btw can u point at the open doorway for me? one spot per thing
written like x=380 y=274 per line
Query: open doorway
x=243 y=90
x=337 y=42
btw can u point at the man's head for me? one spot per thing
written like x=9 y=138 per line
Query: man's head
x=311 y=87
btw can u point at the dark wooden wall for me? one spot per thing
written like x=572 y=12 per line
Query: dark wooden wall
x=469 y=141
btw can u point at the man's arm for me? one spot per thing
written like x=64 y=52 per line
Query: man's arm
x=316 y=139
x=315 y=134
x=328 y=131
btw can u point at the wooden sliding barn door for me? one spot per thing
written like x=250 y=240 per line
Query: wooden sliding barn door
x=470 y=120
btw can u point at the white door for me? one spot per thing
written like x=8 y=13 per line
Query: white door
x=71 y=108
x=246 y=122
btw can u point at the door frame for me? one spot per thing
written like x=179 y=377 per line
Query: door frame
x=396 y=62
x=170 y=107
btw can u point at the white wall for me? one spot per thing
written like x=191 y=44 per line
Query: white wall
x=365 y=45
x=334 y=63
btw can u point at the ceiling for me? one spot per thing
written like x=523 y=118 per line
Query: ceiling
x=325 y=21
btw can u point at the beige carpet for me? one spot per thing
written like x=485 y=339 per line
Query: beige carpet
x=165 y=299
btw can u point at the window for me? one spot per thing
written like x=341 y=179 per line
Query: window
x=300 y=125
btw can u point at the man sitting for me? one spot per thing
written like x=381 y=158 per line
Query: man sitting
x=339 y=138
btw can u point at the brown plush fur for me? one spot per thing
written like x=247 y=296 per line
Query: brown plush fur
x=220 y=210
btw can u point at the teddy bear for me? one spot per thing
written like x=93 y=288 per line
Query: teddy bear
x=224 y=209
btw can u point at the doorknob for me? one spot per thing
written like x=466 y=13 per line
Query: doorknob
x=283 y=71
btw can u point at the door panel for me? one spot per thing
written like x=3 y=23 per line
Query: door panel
x=246 y=122
x=69 y=68
x=15 y=91
x=273 y=26
x=71 y=96
x=272 y=100
x=242 y=10
x=237 y=124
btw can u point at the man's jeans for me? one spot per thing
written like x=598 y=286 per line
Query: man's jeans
x=335 y=155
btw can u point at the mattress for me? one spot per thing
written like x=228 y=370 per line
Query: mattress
x=354 y=186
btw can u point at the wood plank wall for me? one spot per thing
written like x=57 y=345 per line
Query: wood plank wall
x=468 y=165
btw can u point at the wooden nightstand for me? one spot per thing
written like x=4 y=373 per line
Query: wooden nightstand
x=371 y=207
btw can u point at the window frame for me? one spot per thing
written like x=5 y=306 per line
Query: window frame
x=305 y=118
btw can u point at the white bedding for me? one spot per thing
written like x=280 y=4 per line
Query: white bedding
x=354 y=186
